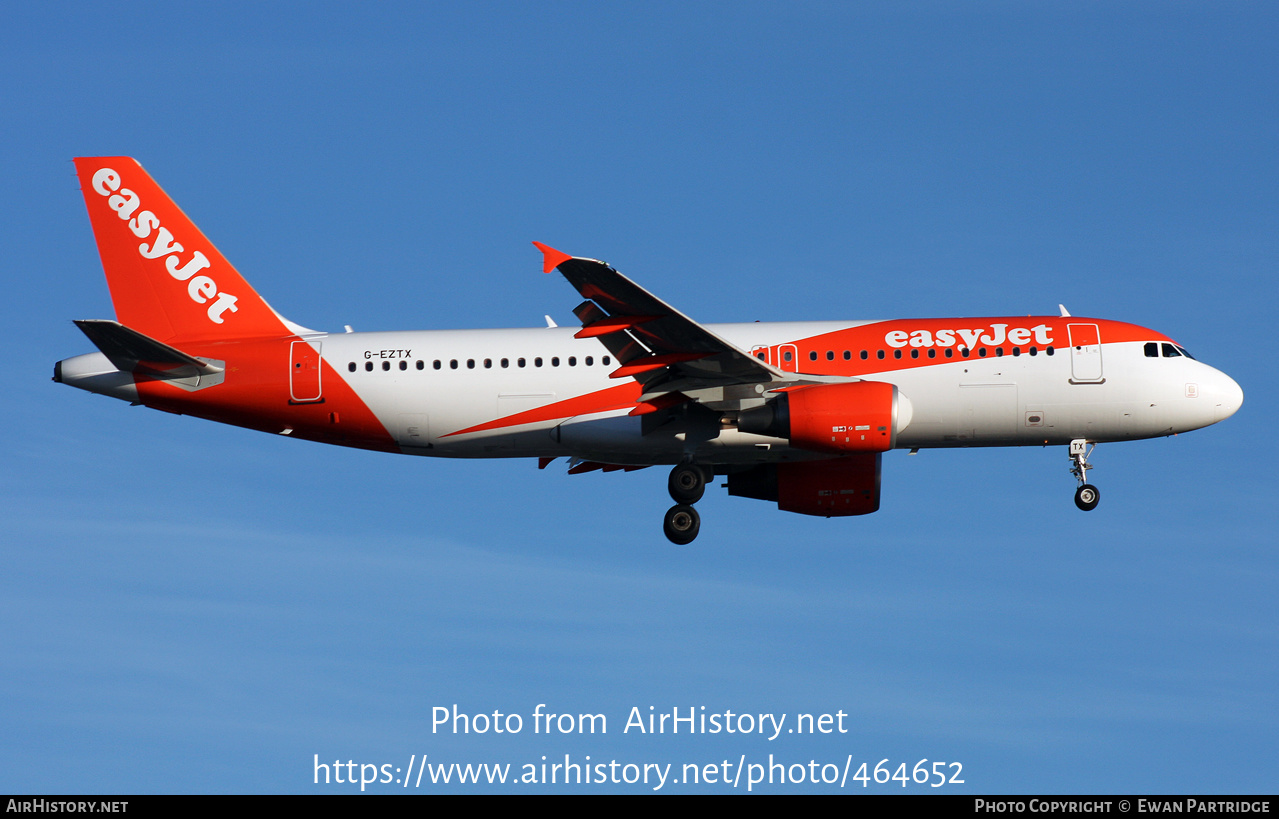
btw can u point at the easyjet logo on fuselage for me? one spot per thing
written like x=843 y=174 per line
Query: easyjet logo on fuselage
x=202 y=289
x=991 y=335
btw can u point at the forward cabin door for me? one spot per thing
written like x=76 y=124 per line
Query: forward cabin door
x=1085 y=353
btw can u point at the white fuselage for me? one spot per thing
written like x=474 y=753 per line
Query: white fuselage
x=990 y=401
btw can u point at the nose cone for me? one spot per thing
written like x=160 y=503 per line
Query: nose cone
x=1226 y=395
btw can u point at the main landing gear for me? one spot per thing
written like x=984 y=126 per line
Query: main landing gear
x=687 y=484
x=1087 y=495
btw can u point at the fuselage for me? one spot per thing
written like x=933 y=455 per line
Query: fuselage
x=543 y=393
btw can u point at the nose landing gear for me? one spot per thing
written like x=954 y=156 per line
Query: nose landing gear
x=687 y=484
x=1086 y=496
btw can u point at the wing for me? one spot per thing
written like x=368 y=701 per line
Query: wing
x=664 y=350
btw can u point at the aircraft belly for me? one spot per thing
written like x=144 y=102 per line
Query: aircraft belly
x=1008 y=404
x=621 y=440
x=1144 y=419
x=987 y=413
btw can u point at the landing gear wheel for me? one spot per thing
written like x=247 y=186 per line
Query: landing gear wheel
x=1086 y=497
x=681 y=524
x=687 y=483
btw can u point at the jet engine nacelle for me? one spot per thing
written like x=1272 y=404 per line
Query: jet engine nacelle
x=860 y=416
x=840 y=487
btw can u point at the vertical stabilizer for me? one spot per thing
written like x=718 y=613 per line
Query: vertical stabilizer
x=167 y=280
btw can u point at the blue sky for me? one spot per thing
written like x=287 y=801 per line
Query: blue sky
x=195 y=608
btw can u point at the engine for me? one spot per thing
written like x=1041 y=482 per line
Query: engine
x=860 y=416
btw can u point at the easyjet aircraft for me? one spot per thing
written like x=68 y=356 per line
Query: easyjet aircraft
x=798 y=413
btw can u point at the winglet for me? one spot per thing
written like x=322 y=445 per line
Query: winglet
x=551 y=258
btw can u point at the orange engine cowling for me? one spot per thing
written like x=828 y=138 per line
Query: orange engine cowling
x=860 y=416
x=840 y=487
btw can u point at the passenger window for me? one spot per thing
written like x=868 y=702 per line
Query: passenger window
x=1034 y=351
x=506 y=362
x=421 y=365
x=572 y=361
x=590 y=360
x=452 y=363
x=436 y=364
x=537 y=362
x=932 y=353
x=351 y=367
x=555 y=361
x=879 y=354
x=368 y=366
x=1016 y=351
x=981 y=351
x=865 y=355
x=812 y=356
x=999 y=352
x=914 y=353
x=897 y=353
x=605 y=361
x=848 y=355
x=404 y=365
x=950 y=353
x=488 y=363
x=386 y=365
x=519 y=362
x=830 y=355
x=1048 y=350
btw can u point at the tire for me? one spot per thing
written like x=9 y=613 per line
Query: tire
x=687 y=483
x=681 y=524
x=1087 y=497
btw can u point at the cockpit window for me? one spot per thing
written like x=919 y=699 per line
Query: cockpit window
x=1152 y=349
x=1184 y=352
x=1170 y=351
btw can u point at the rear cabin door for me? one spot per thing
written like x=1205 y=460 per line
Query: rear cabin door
x=304 y=373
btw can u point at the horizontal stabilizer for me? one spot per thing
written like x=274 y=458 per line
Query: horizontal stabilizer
x=132 y=352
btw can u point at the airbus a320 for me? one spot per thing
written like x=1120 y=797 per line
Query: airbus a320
x=795 y=413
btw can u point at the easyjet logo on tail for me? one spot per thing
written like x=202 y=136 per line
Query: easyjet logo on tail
x=201 y=288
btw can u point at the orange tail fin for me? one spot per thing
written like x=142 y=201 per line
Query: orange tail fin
x=167 y=280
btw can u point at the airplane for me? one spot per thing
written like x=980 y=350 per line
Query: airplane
x=795 y=413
